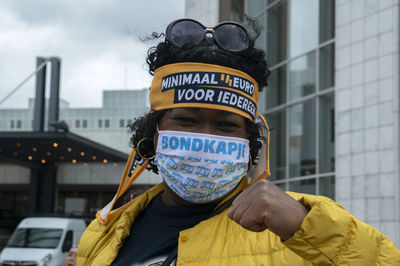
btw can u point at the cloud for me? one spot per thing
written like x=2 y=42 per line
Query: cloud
x=98 y=42
x=19 y=43
x=100 y=18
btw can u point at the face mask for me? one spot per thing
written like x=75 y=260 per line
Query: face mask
x=201 y=167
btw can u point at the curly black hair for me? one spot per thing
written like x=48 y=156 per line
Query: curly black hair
x=251 y=61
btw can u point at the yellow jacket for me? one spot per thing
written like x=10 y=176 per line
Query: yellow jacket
x=329 y=235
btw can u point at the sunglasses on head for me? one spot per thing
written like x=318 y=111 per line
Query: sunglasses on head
x=229 y=36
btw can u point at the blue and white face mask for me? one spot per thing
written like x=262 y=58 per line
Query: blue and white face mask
x=201 y=167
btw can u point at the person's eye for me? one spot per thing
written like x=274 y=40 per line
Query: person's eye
x=227 y=125
x=185 y=120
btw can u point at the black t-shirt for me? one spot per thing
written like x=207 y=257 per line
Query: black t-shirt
x=155 y=232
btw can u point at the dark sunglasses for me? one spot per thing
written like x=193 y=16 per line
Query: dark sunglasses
x=230 y=36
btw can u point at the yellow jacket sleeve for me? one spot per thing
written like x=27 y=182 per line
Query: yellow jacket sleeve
x=329 y=235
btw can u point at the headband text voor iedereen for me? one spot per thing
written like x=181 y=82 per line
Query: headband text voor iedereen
x=204 y=86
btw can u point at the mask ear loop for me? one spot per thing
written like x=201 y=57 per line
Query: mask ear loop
x=262 y=169
x=134 y=167
x=250 y=164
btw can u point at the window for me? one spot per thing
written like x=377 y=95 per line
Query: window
x=35 y=238
x=303 y=186
x=326 y=133
x=237 y=9
x=277 y=33
x=302 y=139
x=277 y=125
x=326 y=20
x=299 y=102
x=100 y=123
x=67 y=244
x=260 y=41
x=121 y=123
x=77 y=123
x=19 y=123
x=107 y=123
x=12 y=123
x=255 y=8
x=276 y=91
x=326 y=67
x=84 y=123
x=302 y=76
x=303 y=28
x=327 y=186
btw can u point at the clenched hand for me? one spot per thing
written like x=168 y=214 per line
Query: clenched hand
x=263 y=205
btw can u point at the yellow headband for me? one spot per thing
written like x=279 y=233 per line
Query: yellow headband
x=204 y=86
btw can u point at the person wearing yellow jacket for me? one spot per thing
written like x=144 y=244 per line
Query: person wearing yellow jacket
x=204 y=137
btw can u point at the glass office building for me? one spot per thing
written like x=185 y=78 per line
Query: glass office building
x=333 y=98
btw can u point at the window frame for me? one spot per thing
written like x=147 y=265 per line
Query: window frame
x=317 y=95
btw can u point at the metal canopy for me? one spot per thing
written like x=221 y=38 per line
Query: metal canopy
x=38 y=149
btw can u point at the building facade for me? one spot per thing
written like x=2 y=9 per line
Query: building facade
x=83 y=187
x=333 y=98
x=106 y=124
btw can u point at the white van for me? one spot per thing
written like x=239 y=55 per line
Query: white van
x=42 y=241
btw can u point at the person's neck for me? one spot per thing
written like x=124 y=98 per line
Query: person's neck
x=171 y=199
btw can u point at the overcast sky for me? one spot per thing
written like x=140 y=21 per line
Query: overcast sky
x=98 y=42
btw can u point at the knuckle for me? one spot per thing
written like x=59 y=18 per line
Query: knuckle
x=236 y=217
x=264 y=201
x=264 y=186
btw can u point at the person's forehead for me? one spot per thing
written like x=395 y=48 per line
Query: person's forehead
x=199 y=110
